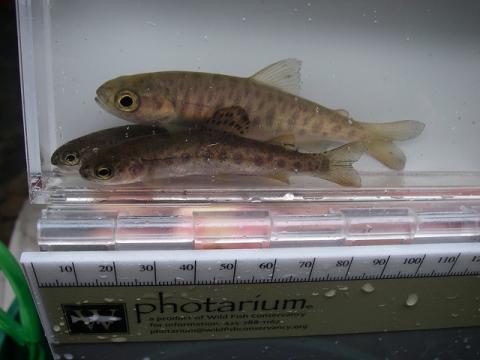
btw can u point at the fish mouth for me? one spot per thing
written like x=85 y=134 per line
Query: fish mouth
x=102 y=104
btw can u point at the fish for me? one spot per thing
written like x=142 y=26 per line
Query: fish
x=71 y=154
x=215 y=154
x=264 y=107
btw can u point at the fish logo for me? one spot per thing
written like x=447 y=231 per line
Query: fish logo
x=96 y=318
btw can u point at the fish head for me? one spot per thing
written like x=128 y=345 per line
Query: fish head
x=137 y=98
x=113 y=169
x=66 y=156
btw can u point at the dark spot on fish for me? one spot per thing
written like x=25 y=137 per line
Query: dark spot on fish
x=281 y=163
x=258 y=161
x=238 y=158
x=169 y=161
x=186 y=157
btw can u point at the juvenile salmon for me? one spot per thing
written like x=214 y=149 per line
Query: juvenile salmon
x=72 y=153
x=212 y=154
x=262 y=107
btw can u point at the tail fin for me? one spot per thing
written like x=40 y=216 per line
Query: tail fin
x=340 y=167
x=380 y=144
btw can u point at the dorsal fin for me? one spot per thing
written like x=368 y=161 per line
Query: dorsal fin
x=284 y=75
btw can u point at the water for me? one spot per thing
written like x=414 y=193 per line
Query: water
x=380 y=62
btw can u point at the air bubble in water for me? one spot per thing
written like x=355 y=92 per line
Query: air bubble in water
x=68 y=356
x=412 y=300
x=119 y=339
x=56 y=328
x=368 y=288
x=330 y=293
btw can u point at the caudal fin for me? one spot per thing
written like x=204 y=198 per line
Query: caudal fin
x=340 y=167
x=380 y=144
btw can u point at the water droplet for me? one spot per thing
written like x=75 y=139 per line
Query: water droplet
x=68 y=356
x=368 y=288
x=107 y=299
x=288 y=196
x=151 y=23
x=244 y=19
x=309 y=4
x=342 y=288
x=56 y=328
x=205 y=37
x=330 y=293
x=375 y=21
x=412 y=300
x=407 y=38
x=309 y=19
x=146 y=358
x=317 y=293
x=295 y=9
x=454 y=315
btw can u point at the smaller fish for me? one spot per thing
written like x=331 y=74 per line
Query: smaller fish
x=215 y=154
x=72 y=153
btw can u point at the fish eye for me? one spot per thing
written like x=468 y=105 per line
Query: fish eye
x=71 y=158
x=103 y=172
x=127 y=100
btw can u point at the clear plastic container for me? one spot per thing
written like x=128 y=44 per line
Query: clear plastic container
x=382 y=62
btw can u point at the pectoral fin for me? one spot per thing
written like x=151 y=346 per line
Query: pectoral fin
x=233 y=120
x=287 y=141
x=280 y=176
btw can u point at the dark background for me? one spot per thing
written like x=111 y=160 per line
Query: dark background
x=13 y=181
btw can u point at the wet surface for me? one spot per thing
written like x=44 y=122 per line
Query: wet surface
x=13 y=182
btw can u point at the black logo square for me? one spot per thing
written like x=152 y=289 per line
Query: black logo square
x=96 y=318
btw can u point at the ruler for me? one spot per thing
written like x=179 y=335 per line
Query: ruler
x=97 y=296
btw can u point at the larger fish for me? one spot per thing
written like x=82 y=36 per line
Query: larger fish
x=263 y=107
x=212 y=154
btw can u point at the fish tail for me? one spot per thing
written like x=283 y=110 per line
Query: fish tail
x=340 y=170
x=381 y=136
